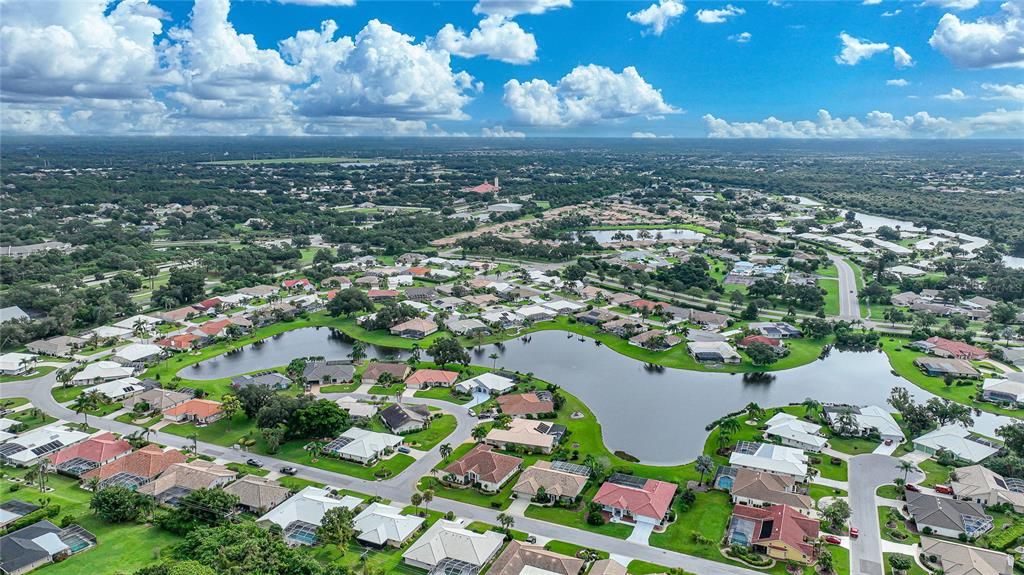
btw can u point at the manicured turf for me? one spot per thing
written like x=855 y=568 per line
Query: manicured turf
x=37 y=372
x=440 y=428
x=915 y=569
x=899 y=527
x=470 y=495
x=818 y=491
x=888 y=492
x=835 y=472
x=577 y=519
x=831 y=287
x=32 y=418
x=64 y=394
x=443 y=394
x=852 y=445
x=934 y=473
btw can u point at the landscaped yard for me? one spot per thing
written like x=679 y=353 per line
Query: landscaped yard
x=64 y=394
x=915 y=569
x=934 y=473
x=898 y=532
x=440 y=428
x=31 y=418
x=36 y=372
x=828 y=470
x=443 y=394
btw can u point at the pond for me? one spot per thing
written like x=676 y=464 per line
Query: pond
x=657 y=415
x=608 y=236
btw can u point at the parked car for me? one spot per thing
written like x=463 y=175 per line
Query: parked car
x=854 y=533
x=531 y=538
x=254 y=462
x=888 y=442
x=404 y=449
x=944 y=489
x=289 y=470
x=832 y=539
x=472 y=413
x=912 y=487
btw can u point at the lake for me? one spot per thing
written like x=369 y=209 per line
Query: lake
x=657 y=415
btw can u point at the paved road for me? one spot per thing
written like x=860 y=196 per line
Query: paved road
x=849 y=306
x=398 y=489
x=867 y=473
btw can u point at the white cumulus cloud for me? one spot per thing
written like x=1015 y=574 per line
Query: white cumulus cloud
x=891 y=13
x=586 y=95
x=496 y=38
x=901 y=58
x=1004 y=91
x=994 y=41
x=871 y=2
x=856 y=49
x=659 y=16
x=874 y=125
x=706 y=16
x=742 y=37
x=954 y=95
x=898 y=82
x=500 y=132
x=510 y=8
x=952 y=4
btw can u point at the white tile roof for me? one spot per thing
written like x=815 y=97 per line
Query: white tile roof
x=367 y=444
x=11 y=362
x=103 y=370
x=137 y=351
x=117 y=388
x=489 y=381
x=447 y=539
x=954 y=438
x=379 y=523
x=308 y=505
x=793 y=428
x=776 y=458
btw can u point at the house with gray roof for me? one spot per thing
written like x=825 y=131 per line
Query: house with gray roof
x=948 y=517
x=328 y=372
x=39 y=544
x=269 y=379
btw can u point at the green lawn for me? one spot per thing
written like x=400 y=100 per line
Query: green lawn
x=32 y=418
x=469 y=495
x=298 y=483
x=64 y=394
x=818 y=491
x=130 y=418
x=577 y=519
x=934 y=473
x=245 y=469
x=898 y=533
x=888 y=492
x=440 y=428
x=345 y=388
x=835 y=472
x=443 y=394
x=902 y=360
x=121 y=548
x=13 y=402
x=388 y=391
x=37 y=372
x=831 y=287
x=915 y=569
x=852 y=445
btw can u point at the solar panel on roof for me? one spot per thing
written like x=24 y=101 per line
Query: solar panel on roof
x=337 y=444
x=571 y=468
x=47 y=448
x=8 y=449
x=1015 y=485
x=747 y=447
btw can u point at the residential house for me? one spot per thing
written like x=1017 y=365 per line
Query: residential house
x=401 y=418
x=622 y=327
x=180 y=479
x=868 y=420
x=483 y=468
x=427 y=378
x=777 y=330
x=533 y=403
x=157 y=399
x=607 y=567
x=13 y=510
x=1009 y=390
x=948 y=517
x=381 y=525
x=328 y=372
x=713 y=352
x=447 y=547
x=33 y=446
x=302 y=513
x=40 y=544
x=488 y=382
x=657 y=339
x=180 y=342
x=764 y=489
x=622 y=298
x=212 y=304
x=302 y=284
x=118 y=389
x=482 y=300
x=336 y=281
x=362 y=445
x=420 y=294
x=961 y=442
x=557 y=480
x=260 y=291
x=959 y=559
x=60 y=346
x=16 y=363
x=415 y=328
x=87 y=455
x=268 y=379
x=522 y=558
x=374 y=371
x=563 y=306
x=179 y=315
x=383 y=294
x=771 y=458
x=100 y=371
x=536 y=313
x=533 y=434
x=795 y=432
x=635 y=499
x=778 y=531
x=596 y=316
x=982 y=485
x=12 y=313
x=135 y=469
x=467 y=326
x=357 y=409
x=200 y=411
x=258 y=494
x=943 y=347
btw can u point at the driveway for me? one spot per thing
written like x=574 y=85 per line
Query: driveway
x=867 y=473
x=884 y=449
x=641 y=533
x=518 y=507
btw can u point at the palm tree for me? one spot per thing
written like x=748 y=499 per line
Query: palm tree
x=428 y=496
x=729 y=426
x=479 y=433
x=506 y=521
x=705 y=465
x=755 y=410
x=494 y=359
x=906 y=467
x=811 y=405
x=358 y=351
x=83 y=403
x=446 y=450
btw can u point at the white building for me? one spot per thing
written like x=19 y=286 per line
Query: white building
x=137 y=354
x=383 y=525
x=795 y=432
x=869 y=419
x=772 y=458
x=110 y=332
x=30 y=447
x=101 y=371
x=16 y=363
x=449 y=542
x=303 y=512
x=362 y=445
x=129 y=323
x=118 y=389
x=486 y=383
x=958 y=441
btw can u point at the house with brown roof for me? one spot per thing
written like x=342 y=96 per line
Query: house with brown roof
x=178 y=315
x=136 y=468
x=258 y=494
x=942 y=347
x=181 y=479
x=559 y=484
x=483 y=468
x=373 y=372
x=87 y=455
x=200 y=411
x=382 y=294
x=180 y=342
x=519 y=558
x=959 y=559
x=523 y=404
x=415 y=328
x=533 y=434
x=426 y=378
x=157 y=399
x=763 y=489
x=657 y=339
x=779 y=531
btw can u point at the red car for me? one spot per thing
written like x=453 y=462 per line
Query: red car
x=944 y=489
x=854 y=532
x=912 y=487
x=832 y=539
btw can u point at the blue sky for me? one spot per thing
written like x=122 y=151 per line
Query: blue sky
x=191 y=73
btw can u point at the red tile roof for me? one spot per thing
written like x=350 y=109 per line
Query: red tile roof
x=645 y=304
x=653 y=500
x=148 y=462
x=201 y=408
x=482 y=188
x=758 y=339
x=209 y=303
x=103 y=447
x=787 y=525
x=293 y=283
x=488 y=466
x=419 y=271
x=382 y=293
x=432 y=377
x=524 y=404
x=957 y=348
x=180 y=341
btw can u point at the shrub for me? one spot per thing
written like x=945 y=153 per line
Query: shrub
x=595 y=518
